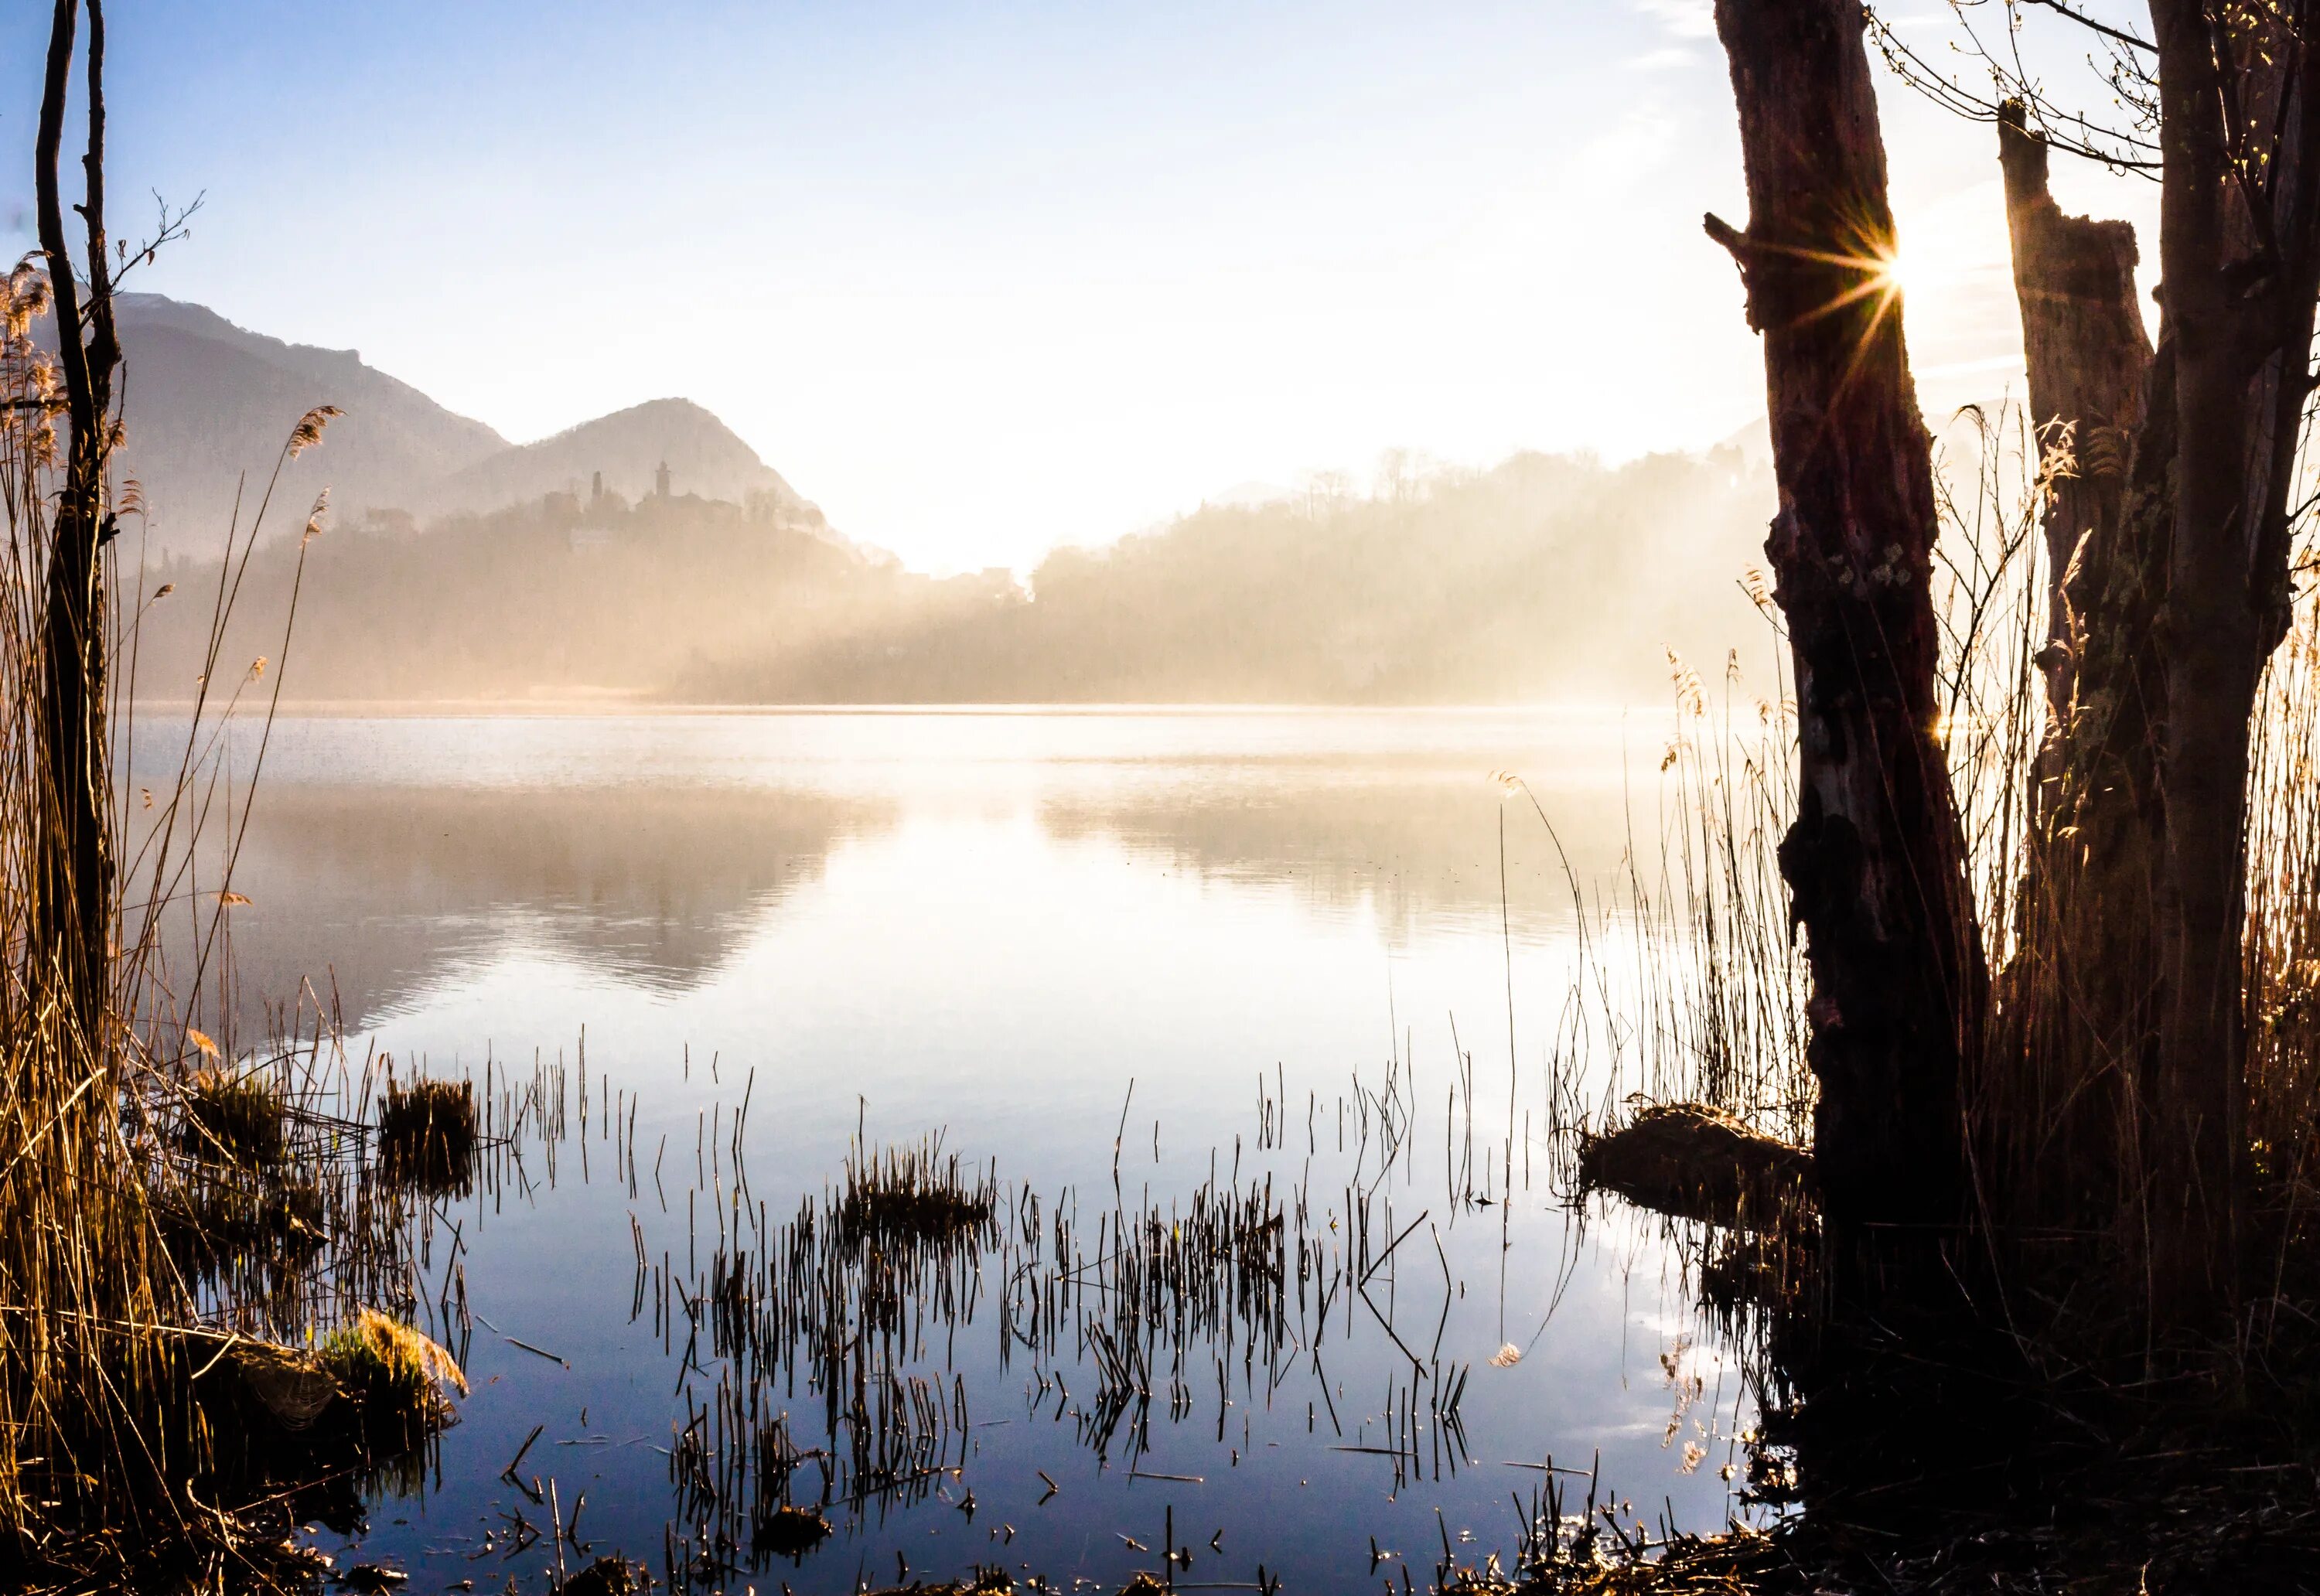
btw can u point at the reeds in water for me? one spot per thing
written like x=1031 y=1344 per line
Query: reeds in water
x=166 y=1196
x=426 y=1135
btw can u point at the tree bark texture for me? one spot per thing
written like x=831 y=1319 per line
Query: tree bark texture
x=2088 y=357
x=1875 y=860
x=2077 y=1020
x=2240 y=264
x=73 y=917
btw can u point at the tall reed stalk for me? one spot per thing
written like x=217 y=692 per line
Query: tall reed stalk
x=1715 y=1004
x=100 y=1332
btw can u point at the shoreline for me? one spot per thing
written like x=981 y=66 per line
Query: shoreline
x=548 y=707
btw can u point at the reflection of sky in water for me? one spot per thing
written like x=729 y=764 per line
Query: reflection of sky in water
x=992 y=925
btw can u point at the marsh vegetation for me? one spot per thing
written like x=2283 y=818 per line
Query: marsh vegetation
x=1954 y=1023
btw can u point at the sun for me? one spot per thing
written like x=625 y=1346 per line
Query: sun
x=1902 y=272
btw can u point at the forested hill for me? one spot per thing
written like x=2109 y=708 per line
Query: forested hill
x=207 y=406
x=1548 y=578
x=1551 y=576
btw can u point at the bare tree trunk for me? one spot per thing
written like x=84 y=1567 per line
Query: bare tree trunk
x=2088 y=357
x=73 y=916
x=1875 y=860
x=2077 y=1020
x=2240 y=259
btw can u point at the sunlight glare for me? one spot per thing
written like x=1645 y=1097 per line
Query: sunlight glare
x=1902 y=272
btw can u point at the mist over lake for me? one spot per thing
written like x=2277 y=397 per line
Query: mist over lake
x=1050 y=938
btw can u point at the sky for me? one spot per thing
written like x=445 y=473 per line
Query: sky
x=985 y=279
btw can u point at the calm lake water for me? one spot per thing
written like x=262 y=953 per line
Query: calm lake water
x=1111 y=958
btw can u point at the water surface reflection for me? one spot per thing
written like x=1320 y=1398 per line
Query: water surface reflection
x=1117 y=962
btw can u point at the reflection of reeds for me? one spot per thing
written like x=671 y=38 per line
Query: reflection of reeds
x=1224 y=1297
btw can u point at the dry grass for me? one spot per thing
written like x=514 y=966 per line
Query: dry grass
x=166 y=1195
x=426 y=1136
x=233 y=1118
x=2200 y=1478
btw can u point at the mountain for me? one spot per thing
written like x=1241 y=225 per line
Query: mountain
x=1545 y=577
x=208 y=405
x=1548 y=577
x=627 y=447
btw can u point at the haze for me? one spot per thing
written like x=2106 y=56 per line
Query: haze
x=985 y=281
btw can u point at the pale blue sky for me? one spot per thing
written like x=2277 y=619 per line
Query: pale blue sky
x=983 y=279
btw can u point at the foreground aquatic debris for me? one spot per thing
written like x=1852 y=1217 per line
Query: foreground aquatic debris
x=993 y=1581
x=1691 y=1161
x=607 y=1576
x=791 y=1532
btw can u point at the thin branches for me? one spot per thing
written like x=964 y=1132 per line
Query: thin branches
x=2127 y=144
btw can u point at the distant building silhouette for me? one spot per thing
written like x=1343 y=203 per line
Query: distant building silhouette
x=660 y=481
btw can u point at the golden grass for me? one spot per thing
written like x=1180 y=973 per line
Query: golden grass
x=148 y=1212
x=235 y=1118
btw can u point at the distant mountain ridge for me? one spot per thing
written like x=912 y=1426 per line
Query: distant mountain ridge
x=626 y=449
x=208 y=405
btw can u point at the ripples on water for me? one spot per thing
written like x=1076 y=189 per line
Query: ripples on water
x=1232 y=986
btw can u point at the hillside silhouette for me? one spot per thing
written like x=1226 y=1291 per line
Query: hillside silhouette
x=1549 y=577
x=622 y=453
x=651 y=555
x=207 y=406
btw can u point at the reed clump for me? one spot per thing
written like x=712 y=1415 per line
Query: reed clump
x=426 y=1136
x=396 y=1377
x=233 y=1117
x=150 y=1217
x=1695 y=1161
x=790 y=1532
x=210 y=1223
x=911 y=1196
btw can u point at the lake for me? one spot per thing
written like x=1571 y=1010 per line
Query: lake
x=1124 y=965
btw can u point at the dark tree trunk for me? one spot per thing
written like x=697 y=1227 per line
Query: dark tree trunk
x=2087 y=356
x=1875 y=861
x=2240 y=261
x=72 y=919
x=2077 y=1019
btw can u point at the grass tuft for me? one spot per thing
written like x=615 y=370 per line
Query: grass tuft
x=396 y=1377
x=426 y=1135
x=234 y=1118
x=912 y=1196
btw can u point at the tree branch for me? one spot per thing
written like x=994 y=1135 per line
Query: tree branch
x=2105 y=29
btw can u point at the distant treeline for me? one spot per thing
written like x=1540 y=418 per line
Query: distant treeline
x=1548 y=578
